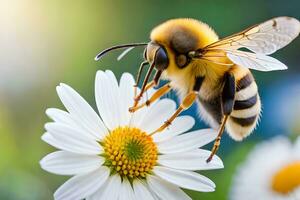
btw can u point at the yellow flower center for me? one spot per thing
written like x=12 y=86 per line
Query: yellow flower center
x=287 y=178
x=129 y=152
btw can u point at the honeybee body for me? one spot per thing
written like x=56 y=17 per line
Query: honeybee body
x=176 y=34
x=211 y=71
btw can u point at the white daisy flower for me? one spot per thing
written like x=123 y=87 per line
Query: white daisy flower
x=271 y=172
x=111 y=156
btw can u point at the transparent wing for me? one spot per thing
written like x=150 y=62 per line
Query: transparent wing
x=255 y=61
x=264 y=38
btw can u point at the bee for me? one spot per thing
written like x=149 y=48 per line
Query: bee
x=212 y=72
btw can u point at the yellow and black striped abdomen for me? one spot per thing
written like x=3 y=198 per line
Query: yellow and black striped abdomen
x=246 y=110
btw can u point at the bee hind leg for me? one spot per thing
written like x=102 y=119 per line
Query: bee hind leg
x=227 y=103
x=217 y=142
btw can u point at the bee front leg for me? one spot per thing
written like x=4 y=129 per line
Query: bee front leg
x=138 y=77
x=159 y=93
x=227 y=103
x=146 y=86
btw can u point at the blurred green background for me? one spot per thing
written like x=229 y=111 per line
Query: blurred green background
x=43 y=43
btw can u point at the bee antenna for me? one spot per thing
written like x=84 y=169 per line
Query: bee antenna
x=102 y=53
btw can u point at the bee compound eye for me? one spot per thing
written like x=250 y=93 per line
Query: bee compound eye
x=181 y=61
x=161 y=59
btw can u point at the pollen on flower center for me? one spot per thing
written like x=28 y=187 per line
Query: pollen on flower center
x=129 y=152
x=287 y=178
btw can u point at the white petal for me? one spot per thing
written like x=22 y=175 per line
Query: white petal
x=165 y=190
x=60 y=116
x=49 y=139
x=156 y=197
x=141 y=191
x=157 y=115
x=180 y=125
x=188 y=141
x=126 y=97
x=81 y=111
x=192 y=160
x=109 y=190
x=66 y=163
x=107 y=97
x=185 y=179
x=69 y=139
x=297 y=148
x=137 y=117
x=59 y=144
x=126 y=191
x=117 y=98
x=64 y=117
x=80 y=187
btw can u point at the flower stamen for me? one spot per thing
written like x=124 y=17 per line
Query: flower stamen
x=130 y=152
x=287 y=178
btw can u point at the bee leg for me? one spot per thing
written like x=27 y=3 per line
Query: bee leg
x=138 y=77
x=218 y=139
x=147 y=86
x=186 y=103
x=159 y=93
x=227 y=103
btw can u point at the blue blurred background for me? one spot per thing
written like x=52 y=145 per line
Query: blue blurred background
x=43 y=43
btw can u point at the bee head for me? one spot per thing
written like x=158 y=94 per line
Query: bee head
x=157 y=54
x=180 y=38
